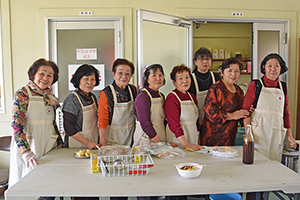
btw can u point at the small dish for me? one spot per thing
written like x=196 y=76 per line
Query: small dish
x=197 y=168
x=223 y=152
x=80 y=157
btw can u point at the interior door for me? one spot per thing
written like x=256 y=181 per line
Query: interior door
x=69 y=36
x=268 y=38
x=165 y=40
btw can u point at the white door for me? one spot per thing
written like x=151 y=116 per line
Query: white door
x=68 y=35
x=165 y=40
x=268 y=38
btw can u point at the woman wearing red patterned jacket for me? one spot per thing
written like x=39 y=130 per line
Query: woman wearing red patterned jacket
x=223 y=107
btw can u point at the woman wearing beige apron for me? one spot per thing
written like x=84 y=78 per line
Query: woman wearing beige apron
x=34 y=126
x=116 y=106
x=80 y=110
x=271 y=119
x=181 y=111
x=202 y=78
x=150 y=126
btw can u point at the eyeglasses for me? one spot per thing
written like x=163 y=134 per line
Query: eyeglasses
x=121 y=74
x=202 y=58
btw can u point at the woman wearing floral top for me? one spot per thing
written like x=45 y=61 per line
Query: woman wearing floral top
x=33 y=120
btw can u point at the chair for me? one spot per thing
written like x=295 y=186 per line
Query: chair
x=4 y=173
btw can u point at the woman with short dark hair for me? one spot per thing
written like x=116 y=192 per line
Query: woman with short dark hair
x=270 y=119
x=223 y=107
x=116 y=106
x=181 y=111
x=35 y=131
x=80 y=109
x=149 y=107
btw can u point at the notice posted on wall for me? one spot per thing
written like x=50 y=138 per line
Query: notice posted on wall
x=100 y=67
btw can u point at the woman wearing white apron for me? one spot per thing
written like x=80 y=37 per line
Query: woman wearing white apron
x=150 y=126
x=116 y=106
x=34 y=126
x=181 y=111
x=202 y=78
x=271 y=119
x=80 y=110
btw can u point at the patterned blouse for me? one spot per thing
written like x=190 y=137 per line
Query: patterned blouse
x=20 y=106
x=215 y=129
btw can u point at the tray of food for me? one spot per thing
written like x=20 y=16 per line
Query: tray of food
x=114 y=150
x=223 y=152
x=125 y=165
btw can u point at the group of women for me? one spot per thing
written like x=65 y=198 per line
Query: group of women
x=201 y=102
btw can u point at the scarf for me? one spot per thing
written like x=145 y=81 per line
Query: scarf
x=49 y=97
x=88 y=98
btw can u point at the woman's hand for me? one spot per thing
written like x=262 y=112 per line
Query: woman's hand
x=172 y=144
x=59 y=146
x=251 y=109
x=237 y=114
x=194 y=147
x=186 y=144
x=292 y=141
x=91 y=145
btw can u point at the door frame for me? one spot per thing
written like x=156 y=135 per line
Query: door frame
x=145 y=15
x=51 y=36
x=286 y=23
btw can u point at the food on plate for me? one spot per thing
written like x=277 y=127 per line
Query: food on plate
x=225 y=152
x=84 y=153
x=189 y=168
x=115 y=150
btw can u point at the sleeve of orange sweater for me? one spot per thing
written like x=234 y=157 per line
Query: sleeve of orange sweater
x=103 y=111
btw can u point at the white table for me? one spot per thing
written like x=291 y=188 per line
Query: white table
x=60 y=174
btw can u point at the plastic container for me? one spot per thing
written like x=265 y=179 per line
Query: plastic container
x=125 y=165
x=228 y=196
x=223 y=152
x=189 y=174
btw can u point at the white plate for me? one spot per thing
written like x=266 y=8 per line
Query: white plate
x=80 y=157
x=224 y=152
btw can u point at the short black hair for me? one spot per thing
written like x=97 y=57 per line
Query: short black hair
x=42 y=62
x=283 y=66
x=179 y=69
x=154 y=68
x=202 y=52
x=234 y=60
x=122 y=61
x=84 y=70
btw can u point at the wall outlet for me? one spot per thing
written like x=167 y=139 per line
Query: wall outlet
x=85 y=12
x=237 y=14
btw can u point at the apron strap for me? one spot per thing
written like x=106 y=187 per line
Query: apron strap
x=80 y=100
x=212 y=77
x=114 y=93
x=28 y=90
x=196 y=83
x=148 y=93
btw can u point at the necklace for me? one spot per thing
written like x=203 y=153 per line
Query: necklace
x=230 y=88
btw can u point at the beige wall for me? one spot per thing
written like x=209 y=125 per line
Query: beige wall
x=24 y=31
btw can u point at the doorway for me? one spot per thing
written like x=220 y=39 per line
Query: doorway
x=68 y=36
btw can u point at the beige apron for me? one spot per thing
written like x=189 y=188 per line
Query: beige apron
x=201 y=95
x=267 y=122
x=157 y=119
x=123 y=121
x=188 y=121
x=40 y=135
x=89 y=124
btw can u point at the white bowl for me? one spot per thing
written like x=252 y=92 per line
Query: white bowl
x=189 y=174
